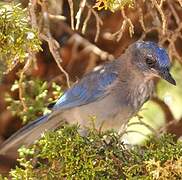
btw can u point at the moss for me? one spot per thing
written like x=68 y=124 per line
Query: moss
x=66 y=154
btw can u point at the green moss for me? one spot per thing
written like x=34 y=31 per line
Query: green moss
x=66 y=154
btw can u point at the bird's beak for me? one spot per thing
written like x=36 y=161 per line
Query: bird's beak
x=165 y=74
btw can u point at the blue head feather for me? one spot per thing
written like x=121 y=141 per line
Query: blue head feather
x=159 y=53
x=160 y=67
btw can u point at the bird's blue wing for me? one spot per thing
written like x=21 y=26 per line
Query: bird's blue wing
x=92 y=87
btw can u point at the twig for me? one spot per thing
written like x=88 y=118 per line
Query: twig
x=70 y=2
x=25 y=68
x=86 y=21
x=126 y=21
x=99 y=21
x=159 y=8
x=141 y=20
x=89 y=47
x=57 y=17
x=79 y=13
x=146 y=125
x=31 y=7
x=53 y=44
x=121 y=30
x=177 y=19
x=134 y=131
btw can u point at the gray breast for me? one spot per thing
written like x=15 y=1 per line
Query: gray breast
x=107 y=112
x=141 y=94
x=112 y=111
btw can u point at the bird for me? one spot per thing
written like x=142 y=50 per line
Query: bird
x=112 y=93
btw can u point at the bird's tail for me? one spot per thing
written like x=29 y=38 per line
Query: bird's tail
x=28 y=134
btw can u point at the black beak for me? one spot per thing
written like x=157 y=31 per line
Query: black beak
x=165 y=74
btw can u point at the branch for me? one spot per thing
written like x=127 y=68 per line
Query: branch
x=99 y=21
x=70 y=2
x=126 y=21
x=159 y=8
x=89 y=47
x=53 y=44
x=86 y=21
x=146 y=125
x=79 y=13
x=21 y=89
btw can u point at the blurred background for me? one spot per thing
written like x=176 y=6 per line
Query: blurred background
x=51 y=44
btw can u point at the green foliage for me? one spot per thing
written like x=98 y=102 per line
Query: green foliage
x=162 y=150
x=3 y=178
x=66 y=154
x=112 y=5
x=155 y=158
x=35 y=97
x=17 y=38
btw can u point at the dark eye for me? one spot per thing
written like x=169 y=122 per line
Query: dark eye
x=150 y=61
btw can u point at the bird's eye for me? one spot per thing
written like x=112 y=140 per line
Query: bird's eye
x=150 y=61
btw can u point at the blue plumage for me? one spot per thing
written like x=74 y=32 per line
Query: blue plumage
x=163 y=58
x=157 y=52
x=91 y=88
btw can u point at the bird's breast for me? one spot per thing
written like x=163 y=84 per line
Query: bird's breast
x=107 y=113
x=140 y=94
x=111 y=112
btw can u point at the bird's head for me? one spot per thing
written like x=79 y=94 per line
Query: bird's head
x=152 y=60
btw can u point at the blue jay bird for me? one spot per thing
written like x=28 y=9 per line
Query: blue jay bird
x=113 y=93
